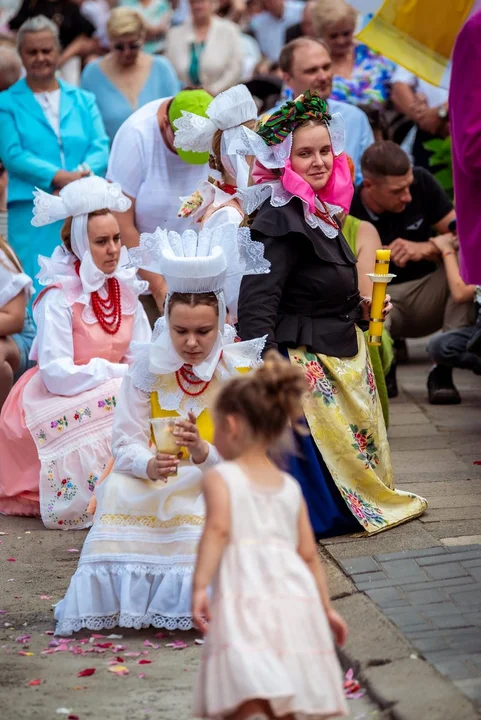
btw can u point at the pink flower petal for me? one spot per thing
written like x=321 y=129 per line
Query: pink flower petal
x=74 y=550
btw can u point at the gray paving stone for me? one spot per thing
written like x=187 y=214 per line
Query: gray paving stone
x=463 y=588
x=427 y=597
x=387 y=597
x=406 y=554
x=472 y=563
x=408 y=581
x=454 y=669
x=451 y=557
x=450 y=621
x=476 y=573
x=367 y=578
x=446 y=571
x=402 y=568
x=461 y=582
x=405 y=617
x=438 y=609
x=355 y=566
x=429 y=644
x=467 y=644
x=470 y=597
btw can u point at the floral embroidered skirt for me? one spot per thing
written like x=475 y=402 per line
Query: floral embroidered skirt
x=345 y=419
x=54 y=448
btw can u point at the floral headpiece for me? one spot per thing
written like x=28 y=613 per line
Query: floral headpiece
x=282 y=123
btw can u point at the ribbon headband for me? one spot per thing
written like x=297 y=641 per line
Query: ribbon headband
x=282 y=123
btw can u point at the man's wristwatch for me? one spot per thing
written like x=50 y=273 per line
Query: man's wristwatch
x=443 y=112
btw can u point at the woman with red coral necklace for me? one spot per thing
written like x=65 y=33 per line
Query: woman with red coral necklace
x=137 y=562
x=56 y=425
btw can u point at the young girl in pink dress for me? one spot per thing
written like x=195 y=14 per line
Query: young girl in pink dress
x=269 y=651
x=56 y=424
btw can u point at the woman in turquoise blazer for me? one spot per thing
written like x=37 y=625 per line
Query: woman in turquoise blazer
x=47 y=139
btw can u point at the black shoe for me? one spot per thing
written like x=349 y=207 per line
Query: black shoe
x=401 y=351
x=441 y=389
x=391 y=382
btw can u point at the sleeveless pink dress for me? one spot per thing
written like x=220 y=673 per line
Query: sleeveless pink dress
x=53 y=447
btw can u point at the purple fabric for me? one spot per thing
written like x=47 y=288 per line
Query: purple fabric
x=465 y=119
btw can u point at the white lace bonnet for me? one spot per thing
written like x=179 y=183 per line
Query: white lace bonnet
x=226 y=112
x=77 y=200
x=274 y=157
x=208 y=261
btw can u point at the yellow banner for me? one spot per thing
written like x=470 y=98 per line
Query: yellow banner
x=418 y=34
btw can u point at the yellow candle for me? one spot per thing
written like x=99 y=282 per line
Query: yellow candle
x=378 y=296
x=382 y=262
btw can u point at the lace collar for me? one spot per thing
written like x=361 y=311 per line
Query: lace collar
x=60 y=270
x=171 y=397
x=254 y=196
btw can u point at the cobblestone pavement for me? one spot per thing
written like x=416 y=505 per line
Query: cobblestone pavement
x=419 y=646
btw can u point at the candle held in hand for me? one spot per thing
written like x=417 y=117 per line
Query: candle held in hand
x=381 y=277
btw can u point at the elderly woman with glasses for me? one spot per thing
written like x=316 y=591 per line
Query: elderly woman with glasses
x=127 y=78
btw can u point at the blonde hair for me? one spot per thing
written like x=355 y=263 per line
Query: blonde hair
x=124 y=21
x=330 y=12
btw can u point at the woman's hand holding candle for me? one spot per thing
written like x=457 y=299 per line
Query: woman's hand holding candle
x=366 y=304
x=380 y=303
x=188 y=436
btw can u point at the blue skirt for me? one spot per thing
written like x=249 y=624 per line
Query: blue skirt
x=329 y=514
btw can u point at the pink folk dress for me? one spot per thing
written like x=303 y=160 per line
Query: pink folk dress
x=54 y=447
x=269 y=637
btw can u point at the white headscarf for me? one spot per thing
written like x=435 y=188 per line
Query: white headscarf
x=77 y=200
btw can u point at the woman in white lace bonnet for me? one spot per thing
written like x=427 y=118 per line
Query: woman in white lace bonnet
x=137 y=562
x=56 y=424
x=216 y=201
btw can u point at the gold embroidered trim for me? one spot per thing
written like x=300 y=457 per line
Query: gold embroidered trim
x=150 y=520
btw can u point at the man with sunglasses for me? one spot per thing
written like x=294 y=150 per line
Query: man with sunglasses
x=155 y=174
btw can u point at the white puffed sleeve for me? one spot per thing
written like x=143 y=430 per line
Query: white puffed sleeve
x=53 y=349
x=141 y=332
x=12 y=282
x=131 y=430
x=225 y=215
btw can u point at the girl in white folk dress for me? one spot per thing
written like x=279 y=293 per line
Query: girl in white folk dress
x=269 y=651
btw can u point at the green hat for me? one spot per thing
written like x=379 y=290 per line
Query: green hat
x=197 y=102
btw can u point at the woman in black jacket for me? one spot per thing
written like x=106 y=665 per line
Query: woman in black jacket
x=310 y=309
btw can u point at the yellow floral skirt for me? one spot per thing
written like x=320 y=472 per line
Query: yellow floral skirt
x=345 y=418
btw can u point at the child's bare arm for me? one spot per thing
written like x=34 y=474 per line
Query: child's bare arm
x=308 y=551
x=216 y=529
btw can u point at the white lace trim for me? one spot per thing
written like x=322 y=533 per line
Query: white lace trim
x=171 y=397
x=213 y=259
x=254 y=196
x=228 y=110
x=78 y=198
x=126 y=620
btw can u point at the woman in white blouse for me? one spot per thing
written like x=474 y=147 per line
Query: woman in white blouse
x=16 y=326
x=56 y=425
x=206 y=51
